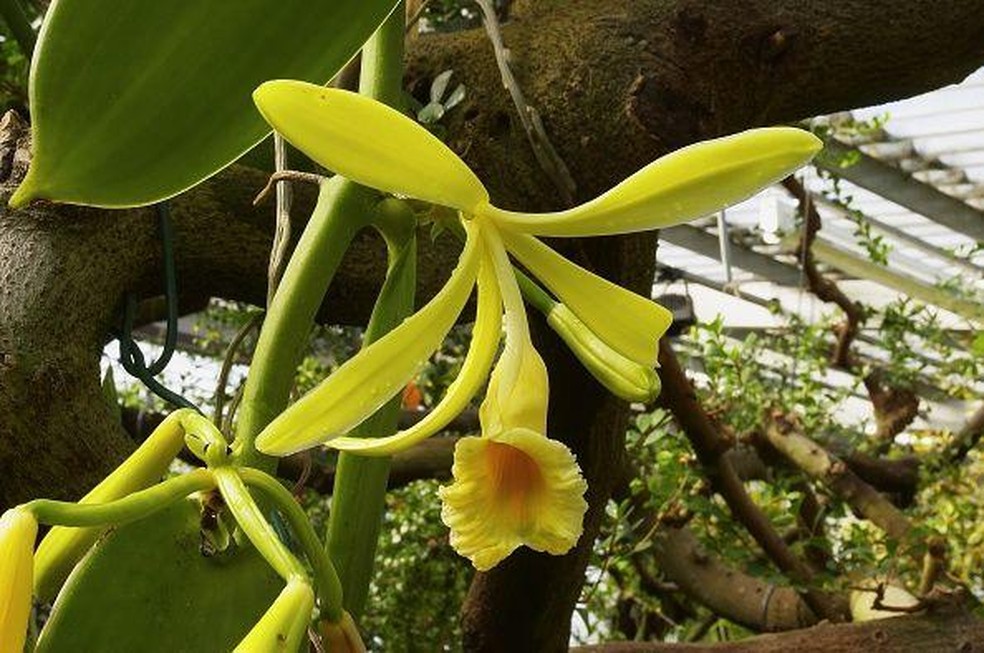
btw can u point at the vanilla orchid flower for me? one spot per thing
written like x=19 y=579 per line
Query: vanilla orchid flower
x=379 y=147
x=18 y=530
x=513 y=485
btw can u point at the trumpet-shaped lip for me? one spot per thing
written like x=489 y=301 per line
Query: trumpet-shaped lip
x=18 y=530
x=511 y=489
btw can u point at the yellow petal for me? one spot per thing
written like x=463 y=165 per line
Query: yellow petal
x=683 y=185
x=629 y=323
x=284 y=625
x=519 y=389
x=474 y=371
x=512 y=489
x=369 y=143
x=18 y=529
x=518 y=392
x=370 y=378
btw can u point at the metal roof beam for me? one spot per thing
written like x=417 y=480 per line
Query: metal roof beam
x=699 y=241
x=895 y=185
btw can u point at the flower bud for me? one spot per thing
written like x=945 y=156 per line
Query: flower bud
x=284 y=625
x=18 y=529
x=622 y=376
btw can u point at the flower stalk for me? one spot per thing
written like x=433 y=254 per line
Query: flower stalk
x=359 y=495
x=337 y=217
x=328 y=585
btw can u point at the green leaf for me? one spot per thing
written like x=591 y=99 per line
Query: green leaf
x=147 y=587
x=133 y=102
x=439 y=85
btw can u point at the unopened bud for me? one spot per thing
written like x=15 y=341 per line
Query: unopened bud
x=284 y=625
x=623 y=377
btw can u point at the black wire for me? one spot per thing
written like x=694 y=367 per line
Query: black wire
x=131 y=357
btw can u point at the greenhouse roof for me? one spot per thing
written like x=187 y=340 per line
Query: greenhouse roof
x=916 y=178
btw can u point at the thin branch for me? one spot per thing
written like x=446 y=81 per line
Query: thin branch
x=895 y=408
x=968 y=437
x=543 y=149
x=227 y=362
x=825 y=289
x=712 y=450
x=281 y=234
x=783 y=434
x=286 y=175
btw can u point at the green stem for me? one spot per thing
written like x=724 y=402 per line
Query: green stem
x=130 y=508
x=251 y=520
x=326 y=578
x=534 y=294
x=381 y=76
x=337 y=217
x=359 y=496
x=19 y=25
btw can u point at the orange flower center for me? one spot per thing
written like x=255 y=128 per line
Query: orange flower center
x=516 y=479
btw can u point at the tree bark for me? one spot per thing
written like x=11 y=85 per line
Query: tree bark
x=618 y=82
x=944 y=631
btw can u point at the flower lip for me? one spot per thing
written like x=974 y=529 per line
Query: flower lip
x=511 y=489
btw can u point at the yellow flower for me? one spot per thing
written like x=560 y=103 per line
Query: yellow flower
x=513 y=486
x=379 y=147
x=18 y=530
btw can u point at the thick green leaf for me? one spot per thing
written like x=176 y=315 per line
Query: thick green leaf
x=146 y=587
x=134 y=101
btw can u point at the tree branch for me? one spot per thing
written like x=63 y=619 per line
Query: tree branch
x=783 y=434
x=712 y=450
x=950 y=629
